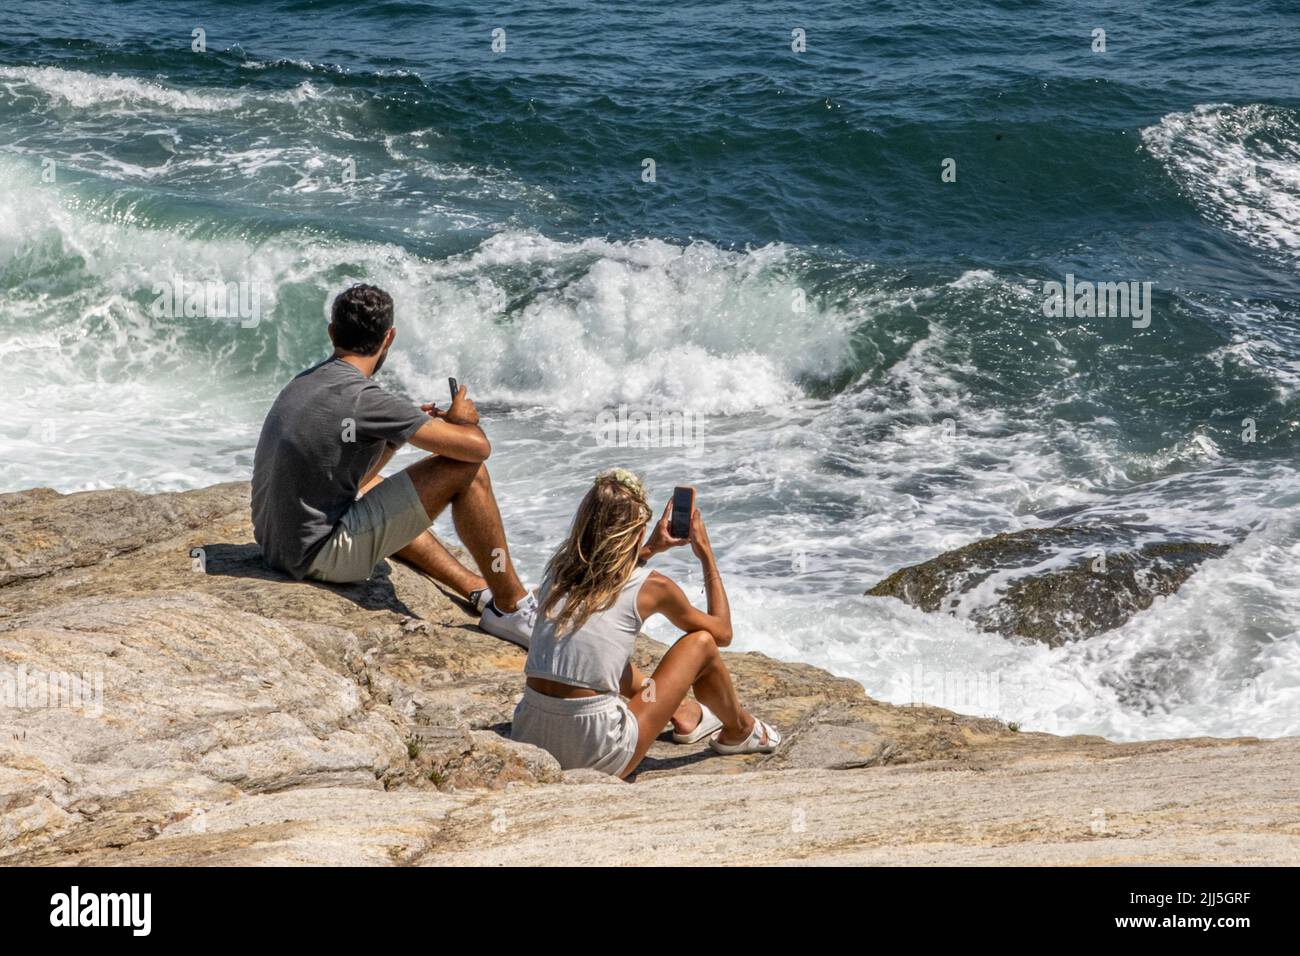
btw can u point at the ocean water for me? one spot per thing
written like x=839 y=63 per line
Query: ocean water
x=856 y=349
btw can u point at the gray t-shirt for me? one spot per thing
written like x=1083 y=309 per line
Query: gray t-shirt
x=326 y=430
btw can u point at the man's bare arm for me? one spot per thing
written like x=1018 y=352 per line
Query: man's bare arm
x=453 y=440
x=454 y=433
x=372 y=476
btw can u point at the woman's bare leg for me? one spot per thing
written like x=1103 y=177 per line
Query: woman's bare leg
x=693 y=661
x=685 y=718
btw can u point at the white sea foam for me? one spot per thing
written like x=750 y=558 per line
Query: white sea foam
x=643 y=322
x=83 y=90
x=1240 y=165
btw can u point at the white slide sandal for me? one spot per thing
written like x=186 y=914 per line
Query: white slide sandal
x=753 y=744
x=707 y=727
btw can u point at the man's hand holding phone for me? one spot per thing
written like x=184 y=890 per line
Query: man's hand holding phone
x=454 y=433
x=461 y=411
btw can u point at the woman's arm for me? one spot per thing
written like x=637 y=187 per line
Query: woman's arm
x=661 y=595
x=660 y=539
x=719 y=607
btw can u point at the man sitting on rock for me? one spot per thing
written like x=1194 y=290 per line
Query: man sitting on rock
x=321 y=509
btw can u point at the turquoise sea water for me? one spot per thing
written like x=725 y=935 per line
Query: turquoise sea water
x=919 y=400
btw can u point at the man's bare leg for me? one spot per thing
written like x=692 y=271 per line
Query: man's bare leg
x=426 y=553
x=468 y=489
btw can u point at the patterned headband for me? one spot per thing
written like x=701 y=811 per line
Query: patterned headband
x=625 y=478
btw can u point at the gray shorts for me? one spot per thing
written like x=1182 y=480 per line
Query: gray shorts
x=595 y=732
x=385 y=519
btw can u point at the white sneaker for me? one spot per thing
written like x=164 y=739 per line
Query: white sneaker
x=480 y=599
x=515 y=627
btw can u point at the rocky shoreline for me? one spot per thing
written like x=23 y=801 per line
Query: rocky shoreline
x=242 y=718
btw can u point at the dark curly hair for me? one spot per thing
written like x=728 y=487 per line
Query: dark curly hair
x=362 y=316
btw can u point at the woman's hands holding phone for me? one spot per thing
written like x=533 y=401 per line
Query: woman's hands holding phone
x=700 y=538
x=676 y=607
x=661 y=539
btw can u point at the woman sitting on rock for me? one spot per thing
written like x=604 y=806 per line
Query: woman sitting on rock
x=595 y=597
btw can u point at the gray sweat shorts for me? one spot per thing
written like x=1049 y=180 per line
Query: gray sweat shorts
x=595 y=732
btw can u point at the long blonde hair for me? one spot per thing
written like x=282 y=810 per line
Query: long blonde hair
x=589 y=570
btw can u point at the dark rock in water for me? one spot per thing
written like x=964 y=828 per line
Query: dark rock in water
x=1053 y=601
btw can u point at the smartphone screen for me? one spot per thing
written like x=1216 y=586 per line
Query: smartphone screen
x=452 y=384
x=679 y=523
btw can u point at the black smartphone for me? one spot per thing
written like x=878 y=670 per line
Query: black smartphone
x=454 y=388
x=679 y=521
